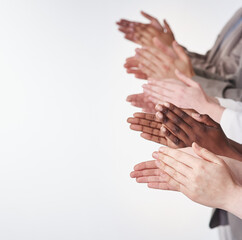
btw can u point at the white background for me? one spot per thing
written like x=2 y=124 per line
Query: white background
x=66 y=150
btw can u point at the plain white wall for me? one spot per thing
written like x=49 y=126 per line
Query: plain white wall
x=66 y=150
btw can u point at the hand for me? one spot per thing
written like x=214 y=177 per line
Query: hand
x=144 y=33
x=132 y=66
x=185 y=93
x=184 y=129
x=207 y=181
x=150 y=128
x=141 y=100
x=149 y=172
x=159 y=64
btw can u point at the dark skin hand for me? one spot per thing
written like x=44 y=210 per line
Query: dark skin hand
x=150 y=128
x=183 y=130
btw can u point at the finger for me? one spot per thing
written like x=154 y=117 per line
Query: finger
x=131 y=62
x=154 y=138
x=159 y=54
x=144 y=39
x=177 y=176
x=126 y=30
x=176 y=125
x=126 y=23
x=145 y=165
x=204 y=118
x=147 y=59
x=188 y=81
x=173 y=138
x=141 y=75
x=164 y=160
x=144 y=122
x=168 y=92
x=162 y=178
x=157 y=96
x=177 y=116
x=135 y=97
x=167 y=26
x=146 y=172
x=181 y=156
x=153 y=20
x=205 y=154
x=152 y=30
x=164 y=48
x=171 y=185
x=145 y=129
x=147 y=116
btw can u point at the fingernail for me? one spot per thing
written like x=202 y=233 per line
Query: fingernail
x=195 y=145
x=196 y=115
x=163 y=129
x=167 y=104
x=158 y=107
x=159 y=115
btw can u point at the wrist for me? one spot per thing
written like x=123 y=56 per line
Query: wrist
x=234 y=201
x=214 y=110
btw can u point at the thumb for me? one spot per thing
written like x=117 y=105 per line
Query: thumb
x=167 y=26
x=204 y=118
x=180 y=52
x=206 y=154
x=188 y=81
x=153 y=20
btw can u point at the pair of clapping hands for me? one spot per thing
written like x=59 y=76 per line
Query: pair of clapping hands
x=198 y=172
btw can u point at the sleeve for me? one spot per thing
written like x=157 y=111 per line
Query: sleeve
x=231 y=104
x=213 y=87
x=231 y=123
x=233 y=93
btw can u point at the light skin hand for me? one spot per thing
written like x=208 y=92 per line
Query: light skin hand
x=148 y=172
x=206 y=180
x=144 y=33
x=150 y=128
x=141 y=101
x=188 y=95
x=132 y=66
x=198 y=128
x=158 y=64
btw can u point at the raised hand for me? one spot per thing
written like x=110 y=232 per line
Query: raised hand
x=160 y=62
x=150 y=128
x=143 y=34
x=141 y=101
x=183 y=129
